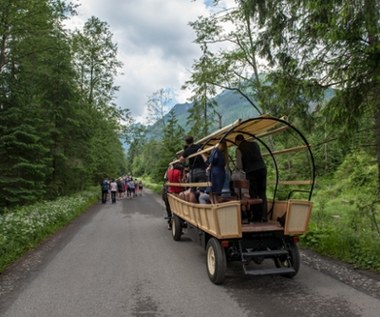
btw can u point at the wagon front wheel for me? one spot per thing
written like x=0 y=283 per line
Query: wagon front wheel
x=216 y=261
x=176 y=228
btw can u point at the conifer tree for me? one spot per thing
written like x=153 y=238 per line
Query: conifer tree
x=25 y=161
x=327 y=44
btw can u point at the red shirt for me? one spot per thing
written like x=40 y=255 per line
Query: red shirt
x=174 y=176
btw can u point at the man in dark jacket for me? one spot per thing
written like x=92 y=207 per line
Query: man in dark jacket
x=196 y=164
x=250 y=160
x=104 y=186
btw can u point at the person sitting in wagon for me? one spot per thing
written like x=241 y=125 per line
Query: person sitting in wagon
x=175 y=175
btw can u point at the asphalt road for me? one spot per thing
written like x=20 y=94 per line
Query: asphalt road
x=120 y=260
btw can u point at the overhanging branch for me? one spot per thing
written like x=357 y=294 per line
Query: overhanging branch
x=241 y=93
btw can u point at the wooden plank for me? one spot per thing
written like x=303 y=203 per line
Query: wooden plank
x=201 y=184
x=222 y=220
x=262 y=227
x=219 y=133
x=298 y=216
x=196 y=153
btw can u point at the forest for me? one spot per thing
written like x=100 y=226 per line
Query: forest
x=59 y=128
x=61 y=131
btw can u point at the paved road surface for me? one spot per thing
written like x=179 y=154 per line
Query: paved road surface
x=120 y=260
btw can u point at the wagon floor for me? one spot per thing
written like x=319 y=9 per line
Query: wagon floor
x=261 y=226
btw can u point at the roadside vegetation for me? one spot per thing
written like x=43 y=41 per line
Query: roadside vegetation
x=345 y=222
x=24 y=228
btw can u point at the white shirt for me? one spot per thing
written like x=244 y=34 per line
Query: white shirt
x=113 y=187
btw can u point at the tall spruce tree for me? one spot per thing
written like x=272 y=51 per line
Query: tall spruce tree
x=170 y=144
x=27 y=33
x=96 y=65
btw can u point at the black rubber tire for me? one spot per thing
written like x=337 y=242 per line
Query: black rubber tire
x=216 y=261
x=294 y=260
x=176 y=228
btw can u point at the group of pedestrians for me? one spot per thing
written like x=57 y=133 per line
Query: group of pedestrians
x=215 y=168
x=122 y=187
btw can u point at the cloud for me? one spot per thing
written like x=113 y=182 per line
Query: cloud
x=155 y=43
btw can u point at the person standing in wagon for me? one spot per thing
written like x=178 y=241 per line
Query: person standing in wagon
x=217 y=167
x=248 y=158
x=197 y=165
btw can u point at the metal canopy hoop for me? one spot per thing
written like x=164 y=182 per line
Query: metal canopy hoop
x=262 y=129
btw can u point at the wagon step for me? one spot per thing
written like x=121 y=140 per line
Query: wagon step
x=269 y=271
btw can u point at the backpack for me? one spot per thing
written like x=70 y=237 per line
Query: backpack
x=105 y=186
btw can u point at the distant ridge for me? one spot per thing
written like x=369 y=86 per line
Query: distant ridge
x=230 y=104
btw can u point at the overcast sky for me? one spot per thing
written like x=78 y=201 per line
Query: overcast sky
x=155 y=43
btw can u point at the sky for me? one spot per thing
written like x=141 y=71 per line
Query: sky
x=155 y=43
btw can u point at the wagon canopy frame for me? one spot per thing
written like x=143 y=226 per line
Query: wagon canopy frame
x=261 y=129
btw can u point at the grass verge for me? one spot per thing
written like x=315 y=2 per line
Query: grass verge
x=24 y=228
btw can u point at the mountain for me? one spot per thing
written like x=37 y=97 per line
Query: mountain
x=230 y=104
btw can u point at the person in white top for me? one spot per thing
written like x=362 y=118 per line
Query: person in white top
x=113 y=189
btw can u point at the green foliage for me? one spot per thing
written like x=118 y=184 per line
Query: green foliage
x=325 y=44
x=230 y=69
x=358 y=248
x=59 y=131
x=24 y=228
x=151 y=158
x=204 y=107
x=28 y=43
x=155 y=187
x=171 y=144
x=95 y=57
x=346 y=214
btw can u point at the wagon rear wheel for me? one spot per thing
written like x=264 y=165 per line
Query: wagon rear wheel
x=292 y=260
x=176 y=228
x=216 y=261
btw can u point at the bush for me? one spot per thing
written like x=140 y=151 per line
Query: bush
x=346 y=215
x=24 y=228
x=157 y=188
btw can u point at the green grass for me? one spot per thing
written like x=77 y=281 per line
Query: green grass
x=24 y=228
x=157 y=188
x=345 y=222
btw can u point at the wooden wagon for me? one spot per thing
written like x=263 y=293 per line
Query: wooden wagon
x=219 y=227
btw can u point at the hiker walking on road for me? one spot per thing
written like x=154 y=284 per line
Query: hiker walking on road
x=104 y=186
x=113 y=188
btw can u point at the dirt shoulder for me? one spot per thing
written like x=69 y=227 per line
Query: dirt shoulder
x=365 y=281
